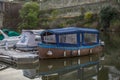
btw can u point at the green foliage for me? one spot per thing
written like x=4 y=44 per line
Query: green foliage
x=81 y=17
x=54 y=18
x=62 y=25
x=88 y=16
x=54 y=14
x=82 y=10
x=29 y=15
x=70 y=21
x=115 y=25
x=106 y=15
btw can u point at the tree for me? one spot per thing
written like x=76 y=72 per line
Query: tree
x=29 y=15
x=106 y=15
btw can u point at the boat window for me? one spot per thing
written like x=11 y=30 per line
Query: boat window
x=68 y=38
x=80 y=38
x=50 y=39
x=38 y=38
x=24 y=38
x=90 y=38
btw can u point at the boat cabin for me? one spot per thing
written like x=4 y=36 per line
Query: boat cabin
x=29 y=39
x=71 y=36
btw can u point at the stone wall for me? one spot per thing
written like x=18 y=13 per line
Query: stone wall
x=9 y=14
x=71 y=8
x=1 y=13
x=53 y=4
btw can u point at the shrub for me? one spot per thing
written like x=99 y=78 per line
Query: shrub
x=106 y=15
x=88 y=16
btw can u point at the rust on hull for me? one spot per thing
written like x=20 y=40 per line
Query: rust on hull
x=59 y=53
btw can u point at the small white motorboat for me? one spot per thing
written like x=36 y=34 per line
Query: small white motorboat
x=29 y=40
x=8 y=41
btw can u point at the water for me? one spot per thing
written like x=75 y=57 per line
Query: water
x=103 y=66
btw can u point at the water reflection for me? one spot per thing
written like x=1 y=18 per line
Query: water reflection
x=71 y=68
x=78 y=68
x=112 y=55
x=2 y=67
x=112 y=48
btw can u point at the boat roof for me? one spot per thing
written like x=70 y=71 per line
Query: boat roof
x=70 y=30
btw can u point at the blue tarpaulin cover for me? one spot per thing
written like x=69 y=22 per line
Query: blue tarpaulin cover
x=70 y=30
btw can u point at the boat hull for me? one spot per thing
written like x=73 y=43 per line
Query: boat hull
x=59 y=53
x=26 y=48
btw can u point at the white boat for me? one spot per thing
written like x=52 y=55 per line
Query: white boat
x=29 y=40
x=8 y=41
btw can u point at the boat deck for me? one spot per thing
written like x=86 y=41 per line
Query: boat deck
x=18 y=57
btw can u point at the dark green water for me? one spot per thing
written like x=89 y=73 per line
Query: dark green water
x=103 y=66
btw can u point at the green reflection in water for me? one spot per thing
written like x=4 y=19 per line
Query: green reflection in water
x=112 y=48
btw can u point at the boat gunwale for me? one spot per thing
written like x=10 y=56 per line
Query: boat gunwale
x=66 y=47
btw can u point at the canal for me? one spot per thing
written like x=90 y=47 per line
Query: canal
x=102 y=66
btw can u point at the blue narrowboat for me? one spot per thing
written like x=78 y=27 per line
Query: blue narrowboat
x=69 y=42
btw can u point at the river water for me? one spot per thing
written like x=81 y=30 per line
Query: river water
x=102 y=66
